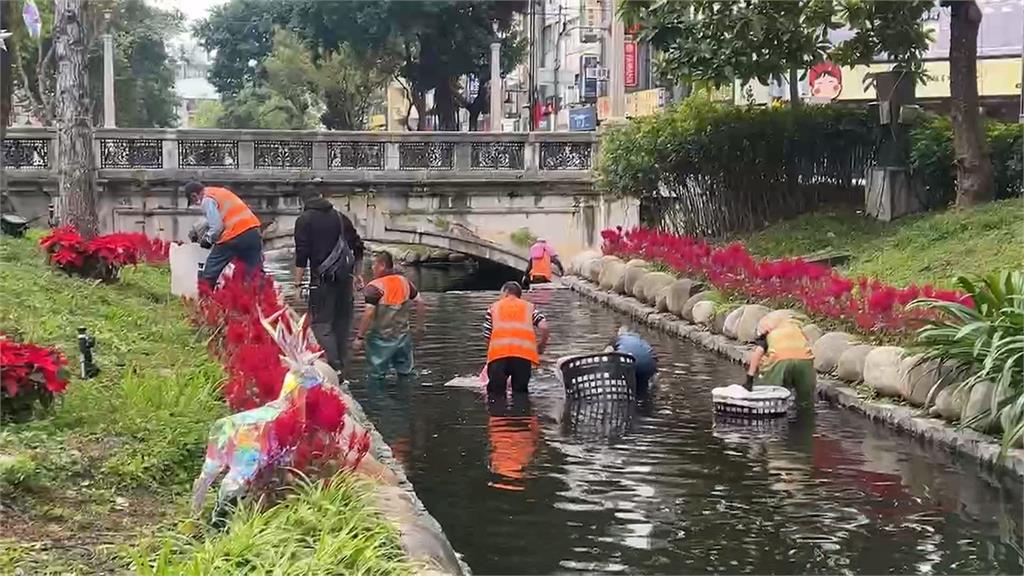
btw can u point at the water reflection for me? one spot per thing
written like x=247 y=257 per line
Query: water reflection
x=668 y=488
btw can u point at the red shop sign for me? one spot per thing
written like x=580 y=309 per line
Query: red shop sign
x=630 y=53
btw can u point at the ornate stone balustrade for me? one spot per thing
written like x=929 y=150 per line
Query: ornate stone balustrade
x=330 y=155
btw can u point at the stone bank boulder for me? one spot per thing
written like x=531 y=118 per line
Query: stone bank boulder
x=979 y=401
x=732 y=323
x=851 y=362
x=631 y=278
x=882 y=369
x=687 y=311
x=703 y=312
x=812 y=333
x=596 y=266
x=587 y=268
x=746 y=330
x=612 y=274
x=637 y=263
x=718 y=322
x=828 y=349
x=579 y=260
x=651 y=284
x=662 y=301
x=921 y=379
x=679 y=292
x=949 y=404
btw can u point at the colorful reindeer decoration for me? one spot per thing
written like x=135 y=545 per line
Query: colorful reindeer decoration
x=306 y=428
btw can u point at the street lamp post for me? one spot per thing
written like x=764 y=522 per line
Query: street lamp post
x=617 y=69
x=495 y=85
x=109 y=120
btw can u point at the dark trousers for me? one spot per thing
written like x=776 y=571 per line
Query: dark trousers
x=247 y=247
x=502 y=369
x=330 y=306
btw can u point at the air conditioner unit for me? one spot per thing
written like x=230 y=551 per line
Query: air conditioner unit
x=591 y=73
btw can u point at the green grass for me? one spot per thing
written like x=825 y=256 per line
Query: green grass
x=320 y=529
x=923 y=248
x=83 y=487
x=117 y=453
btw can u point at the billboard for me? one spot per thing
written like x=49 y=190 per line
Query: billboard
x=629 y=50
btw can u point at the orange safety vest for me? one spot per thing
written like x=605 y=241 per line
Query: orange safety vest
x=395 y=289
x=541 y=267
x=237 y=217
x=512 y=333
x=786 y=342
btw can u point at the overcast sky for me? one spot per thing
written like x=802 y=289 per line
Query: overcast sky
x=193 y=9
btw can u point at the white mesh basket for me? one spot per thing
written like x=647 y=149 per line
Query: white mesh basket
x=761 y=402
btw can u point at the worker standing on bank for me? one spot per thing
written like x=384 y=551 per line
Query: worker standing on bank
x=384 y=328
x=511 y=328
x=328 y=244
x=543 y=262
x=233 y=231
x=783 y=357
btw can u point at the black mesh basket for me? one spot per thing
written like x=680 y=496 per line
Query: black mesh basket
x=606 y=376
x=598 y=420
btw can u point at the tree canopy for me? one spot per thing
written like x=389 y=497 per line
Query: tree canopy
x=431 y=45
x=143 y=65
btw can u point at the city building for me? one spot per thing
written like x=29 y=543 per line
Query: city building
x=190 y=83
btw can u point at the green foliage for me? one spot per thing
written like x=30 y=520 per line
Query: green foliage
x=718 y=41
x=987 y=339
x=931 y=248
x=708 y=169
x=932 y=159
x=523 y=237
x=208 y=114
x=321 y=529
x=16 y=473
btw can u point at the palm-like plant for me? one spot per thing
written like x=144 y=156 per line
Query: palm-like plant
x=986 y=337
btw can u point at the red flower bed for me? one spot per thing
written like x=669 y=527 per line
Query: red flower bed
x=103 y=256
x=28 y=373
x=866 y=303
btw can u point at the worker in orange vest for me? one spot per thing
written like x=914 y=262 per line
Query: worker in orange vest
x=511 y=328
x=543 y=260
x=233 y=231
x=384 y=327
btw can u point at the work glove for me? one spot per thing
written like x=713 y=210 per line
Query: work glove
x=749 y=383
x=193 y=236
x=205 y=243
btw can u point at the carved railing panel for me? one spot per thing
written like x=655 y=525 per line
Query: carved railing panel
x=26 y=153
x=208 y=153
x=497 y=155
x=426 y=155
x=283 y=154
x=565 y=156
x=131 y=153
x=355 y=155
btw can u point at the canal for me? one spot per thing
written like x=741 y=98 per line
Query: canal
x=538 y=488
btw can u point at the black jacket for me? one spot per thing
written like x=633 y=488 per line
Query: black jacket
x=316 y=233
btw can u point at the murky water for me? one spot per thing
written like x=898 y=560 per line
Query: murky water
x=530 y=488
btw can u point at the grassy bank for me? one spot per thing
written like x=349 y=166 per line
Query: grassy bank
x=923 y=248
x=92 y=487
x=119 y=452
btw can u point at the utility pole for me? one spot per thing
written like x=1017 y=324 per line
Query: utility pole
x=617 y=65
x=109 y=120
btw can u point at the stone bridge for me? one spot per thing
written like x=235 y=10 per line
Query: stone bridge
x=481 y=194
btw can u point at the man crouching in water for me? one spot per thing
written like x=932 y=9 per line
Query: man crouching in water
x=783 y=357
x=384 y=326
x=627 y=342
x=511 y=328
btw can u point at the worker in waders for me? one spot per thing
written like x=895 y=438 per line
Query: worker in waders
x=384 y=328
x=233 y=231
x=511 y=328
x=543 y=262
x=783 y=357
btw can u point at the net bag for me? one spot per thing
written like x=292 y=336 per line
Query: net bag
x=605 y=376
x=761 y=402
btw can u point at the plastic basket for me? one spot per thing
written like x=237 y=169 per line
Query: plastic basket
x=598 y=420
x=607 y=376
x=763 y=402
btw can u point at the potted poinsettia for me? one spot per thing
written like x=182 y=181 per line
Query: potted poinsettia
x=30 y=375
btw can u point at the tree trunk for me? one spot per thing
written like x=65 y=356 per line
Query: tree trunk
x=973 y=166
x=444 y=104
x=76 y=202
x=794 y=87
x=6 y=20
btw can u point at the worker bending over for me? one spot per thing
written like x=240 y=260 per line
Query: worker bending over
x=233 y=231
x=511 y=328
x=783 y=357
x=543 y=262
